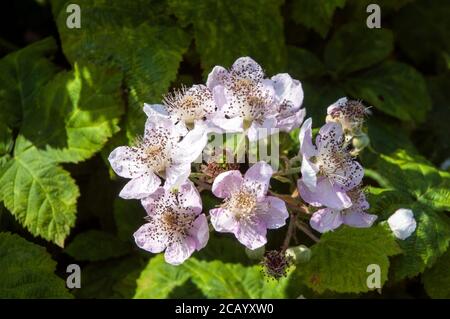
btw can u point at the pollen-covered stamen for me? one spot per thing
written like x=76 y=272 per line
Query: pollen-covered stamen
x=243 y=203
x=350 y=114
x=153 y=150
x=190 y=104
x=171 y=225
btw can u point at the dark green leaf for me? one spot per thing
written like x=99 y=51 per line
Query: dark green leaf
x=27 y=270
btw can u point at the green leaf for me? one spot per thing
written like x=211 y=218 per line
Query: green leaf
x=40 y=195
x=224 y=31
x=129 y=216
x=382 y=129
x=339 y=260
x=114 y=39
x=224 y=280
x=394 y=88
x=318 y=96
x=417 y=177
x=158 y=279
x=27 y=270
x=6 y=139
x=430 y=240
x=95 y=245
x=317 y=15
x=22 y=73
x=425 y=43
x=437 y=279
x=303 y=64
x=354 y=48
x=75 y=114
x=110 y=279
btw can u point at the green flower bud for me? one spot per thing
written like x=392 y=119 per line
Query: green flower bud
x=256 y=254
x=299 y=254
x=360 y=141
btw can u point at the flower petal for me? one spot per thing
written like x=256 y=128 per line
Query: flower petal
x=141 y=186
x=200 y=232
x=146 y=238
x=359 y=219
x=223 y=221
x=326 y=219
x=287 y=123
x=288 y=90
x=247 y=68
x=192 y=145
x=189 y=198
x=354 y=174
x=324 y=194
x=258 y=178
x=177 y=252
x=307 y=148
x=276 y=213
x=152 y=110
x=309 y=173
x=226 y=183
x=330 y=135
x=216 y=77
x=124 y=161
x=177 y=174
x=251 y=234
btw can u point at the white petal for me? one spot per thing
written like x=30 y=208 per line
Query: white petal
x=177 y=174
x=124 y=161
x=141 y=187
x=177 y=252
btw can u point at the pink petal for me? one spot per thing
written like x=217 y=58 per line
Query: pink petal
x=124 y=161
x=359 y=219
x=309 y=173
x=276 y=214
x=251 y=235
x=324 y=194
x=226 y=183
x=330 y=135
x=223 y=221
x=146 y=238
x=306 y=146
x=141 y=186
x=177 y=252
x=325 y=220
x=336 y=105
x=288 y=89
x=354 y=174
x=189 y=198
x=200 y=232
x=288 y=123
x=258 y=178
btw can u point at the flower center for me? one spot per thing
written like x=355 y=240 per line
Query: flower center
x=241 y=203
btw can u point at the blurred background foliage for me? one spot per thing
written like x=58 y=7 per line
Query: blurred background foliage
x=69 y=96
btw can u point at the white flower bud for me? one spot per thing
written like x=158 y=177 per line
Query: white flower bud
x=402 y=223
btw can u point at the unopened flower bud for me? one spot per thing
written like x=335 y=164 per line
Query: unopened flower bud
x=360 y=141
x=402 y=223
x=299 y=254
